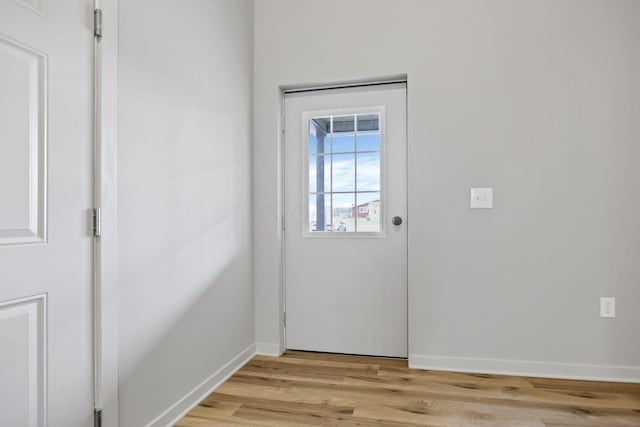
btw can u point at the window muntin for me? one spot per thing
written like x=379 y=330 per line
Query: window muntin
x=344 y=173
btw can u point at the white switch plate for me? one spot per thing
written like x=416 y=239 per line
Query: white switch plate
x=607 y=307
x=481 y=198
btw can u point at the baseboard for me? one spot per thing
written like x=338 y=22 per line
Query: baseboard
x=188 y=402
x=572 y=371
x=268 y=349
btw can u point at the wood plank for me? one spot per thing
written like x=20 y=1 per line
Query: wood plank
x=318 y=389
x=434 y=416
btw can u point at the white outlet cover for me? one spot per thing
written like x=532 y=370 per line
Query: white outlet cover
x=481 y=198
x=607 y=307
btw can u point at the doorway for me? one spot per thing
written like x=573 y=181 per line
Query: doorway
x=345 y=189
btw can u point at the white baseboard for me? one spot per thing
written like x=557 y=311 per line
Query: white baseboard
x=268 y=349
x=572 y=371
x=195 y=396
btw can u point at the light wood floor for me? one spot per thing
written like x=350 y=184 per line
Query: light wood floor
x=316 y=389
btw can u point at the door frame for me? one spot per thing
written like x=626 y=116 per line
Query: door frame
x=281 y=203
x=105 y=248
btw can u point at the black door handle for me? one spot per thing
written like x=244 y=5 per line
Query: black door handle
x=396 y=220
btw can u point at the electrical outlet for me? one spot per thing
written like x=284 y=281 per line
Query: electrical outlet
x=607 y=307
x=481 y=198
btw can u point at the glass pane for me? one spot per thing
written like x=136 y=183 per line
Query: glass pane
x=319 y=218
x=343 y=124
x=369 y=211
x=368 y=172
x=319 y=167
x=369 y=142
x=344 y=172
x=342 y=218
x=319 y=129
x=368 y=122
x=344 y=143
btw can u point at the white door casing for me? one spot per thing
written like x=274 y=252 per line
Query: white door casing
x=345 y=291
x=46 y=364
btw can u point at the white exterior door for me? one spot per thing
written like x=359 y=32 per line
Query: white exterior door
x=345 y=220
x=46 y=365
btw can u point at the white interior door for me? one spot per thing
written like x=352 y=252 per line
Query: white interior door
x=46 y=365
x=345 y=187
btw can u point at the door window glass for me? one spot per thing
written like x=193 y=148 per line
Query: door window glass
x=344 y=173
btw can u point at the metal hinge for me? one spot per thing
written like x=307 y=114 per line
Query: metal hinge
x=284 y=319
x=97 y=222
x=97 y=23
x=283 y=222
x=97 y=417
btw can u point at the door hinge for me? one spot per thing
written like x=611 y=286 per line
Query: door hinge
x=97 y=222
x=282 y=222
x=97 y=418
x=97 y=23
x=284 y=319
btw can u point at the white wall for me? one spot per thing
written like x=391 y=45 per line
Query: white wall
x=538 y=99
x=184 y=189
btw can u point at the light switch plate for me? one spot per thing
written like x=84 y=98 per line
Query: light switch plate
x=481 y=198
